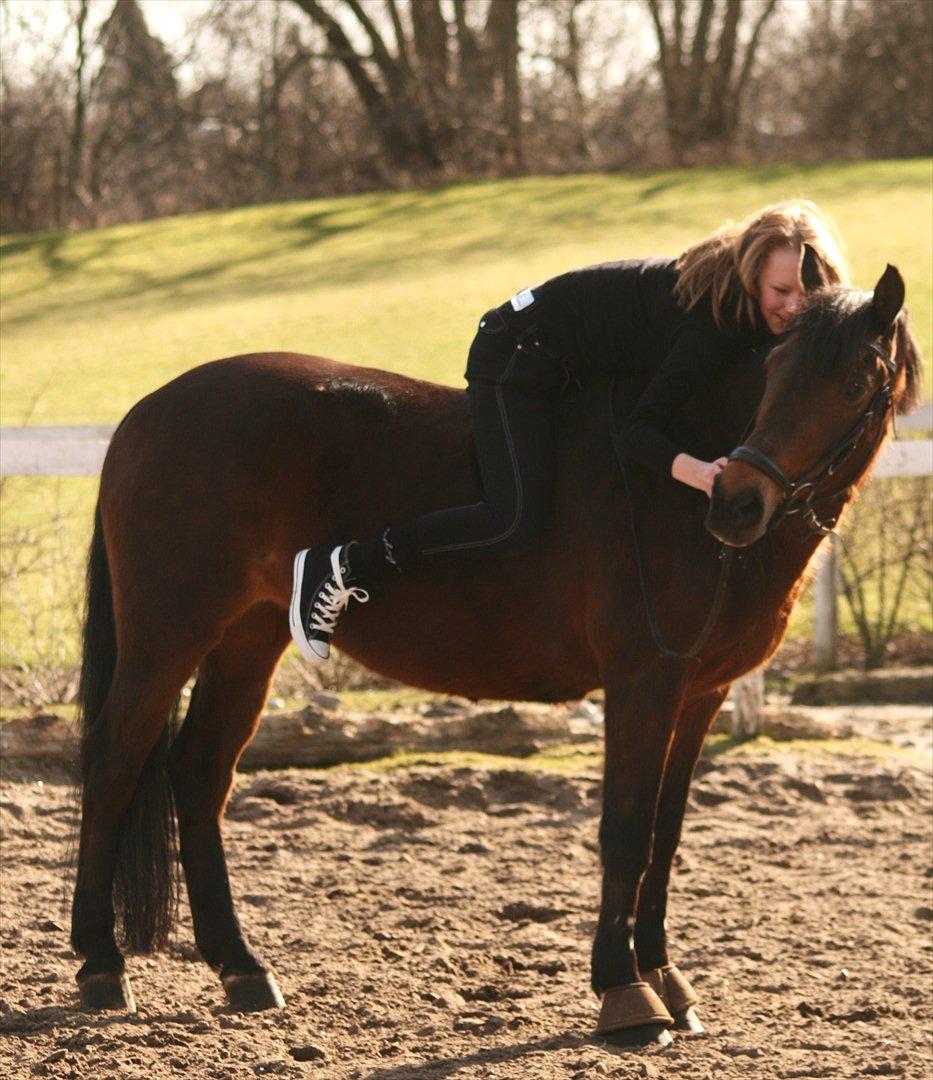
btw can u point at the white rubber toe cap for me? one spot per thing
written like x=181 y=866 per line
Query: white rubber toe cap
x=315 y=652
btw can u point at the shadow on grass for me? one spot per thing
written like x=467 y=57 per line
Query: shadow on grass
x=444 y=226
x=440 y=226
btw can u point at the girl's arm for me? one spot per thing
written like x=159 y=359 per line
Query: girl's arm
x=648 y=435
x=696 y=473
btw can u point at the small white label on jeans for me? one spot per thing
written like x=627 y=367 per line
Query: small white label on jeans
x=523 y=299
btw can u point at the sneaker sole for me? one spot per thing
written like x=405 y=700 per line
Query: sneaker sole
x=305 y=647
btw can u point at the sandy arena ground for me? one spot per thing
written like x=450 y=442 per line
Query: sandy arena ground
x=434 y=922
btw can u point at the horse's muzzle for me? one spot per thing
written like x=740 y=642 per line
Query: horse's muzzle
x=741 y=505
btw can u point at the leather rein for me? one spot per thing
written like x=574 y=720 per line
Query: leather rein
x=799 y=496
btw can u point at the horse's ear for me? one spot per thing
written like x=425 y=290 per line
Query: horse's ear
x=888 y=299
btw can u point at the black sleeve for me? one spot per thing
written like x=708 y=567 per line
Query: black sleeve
x=697 y=351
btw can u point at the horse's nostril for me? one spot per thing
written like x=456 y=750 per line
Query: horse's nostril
x=747 y=508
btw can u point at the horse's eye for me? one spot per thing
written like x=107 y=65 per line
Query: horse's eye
x=855 y=389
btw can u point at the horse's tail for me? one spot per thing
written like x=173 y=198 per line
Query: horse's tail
x=145 y=883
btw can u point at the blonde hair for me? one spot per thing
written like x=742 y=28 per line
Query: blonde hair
x=728 y=264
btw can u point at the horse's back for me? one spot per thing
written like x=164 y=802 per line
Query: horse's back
x=235 y=409
x=276 y=451
x=292 y=382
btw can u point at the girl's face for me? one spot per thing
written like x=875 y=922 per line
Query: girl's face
x=780 y=289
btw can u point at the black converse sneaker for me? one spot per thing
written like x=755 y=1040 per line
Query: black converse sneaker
x=321 y=590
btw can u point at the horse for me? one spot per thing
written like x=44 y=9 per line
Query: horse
x=212 y=482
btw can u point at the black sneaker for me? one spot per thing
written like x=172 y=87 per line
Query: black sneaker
x=321 y=590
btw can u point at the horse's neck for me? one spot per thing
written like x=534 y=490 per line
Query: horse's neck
x=780 y=559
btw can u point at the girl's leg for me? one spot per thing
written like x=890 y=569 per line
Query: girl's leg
x=515 y=435
x=513 y=389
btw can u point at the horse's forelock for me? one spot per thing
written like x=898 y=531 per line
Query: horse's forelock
x=831 y=327
x=833 y=324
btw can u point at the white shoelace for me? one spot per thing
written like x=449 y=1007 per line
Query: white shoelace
x=333 y=600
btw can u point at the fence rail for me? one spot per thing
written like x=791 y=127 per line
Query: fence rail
x=79 y=451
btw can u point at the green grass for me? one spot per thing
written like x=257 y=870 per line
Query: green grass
x=94 y=320
x=586 y=759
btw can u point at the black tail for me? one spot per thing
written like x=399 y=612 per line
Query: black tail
x=145 y=877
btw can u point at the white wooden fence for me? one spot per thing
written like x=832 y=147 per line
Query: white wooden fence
x=79 y=451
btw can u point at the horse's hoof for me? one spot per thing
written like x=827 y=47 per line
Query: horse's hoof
x=107 y=991
x=645 y=1035
x=634 y=1015
x=687 y=1020
x=254 y=992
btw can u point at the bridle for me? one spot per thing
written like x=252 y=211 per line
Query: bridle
x=800 y=494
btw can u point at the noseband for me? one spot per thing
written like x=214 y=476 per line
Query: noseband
x=799 y=494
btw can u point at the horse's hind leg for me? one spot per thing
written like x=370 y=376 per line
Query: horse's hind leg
x=225 y=707
x=650 y=934
x=119 y=743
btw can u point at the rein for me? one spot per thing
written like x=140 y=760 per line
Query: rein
x=725 y=561
x=799 y=494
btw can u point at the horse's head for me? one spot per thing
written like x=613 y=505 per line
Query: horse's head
x=847 y=363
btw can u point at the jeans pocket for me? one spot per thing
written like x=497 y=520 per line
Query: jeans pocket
x=492 y=323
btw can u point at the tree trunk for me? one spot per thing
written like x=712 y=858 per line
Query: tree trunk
x=73 y=200
x=393 y=109
x=572 y=67
x=702 y=93
x=502 y=29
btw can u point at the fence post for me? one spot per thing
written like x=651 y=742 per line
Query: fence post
x=826 y=608
x=748 y=700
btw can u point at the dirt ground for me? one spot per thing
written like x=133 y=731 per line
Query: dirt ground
x=435 y=921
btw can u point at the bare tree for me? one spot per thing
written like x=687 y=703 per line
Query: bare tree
x=140 y=139
x=389 y=98
x=75 y=172
x=99 y=122
x=886 y=561
x=705 y=70
x=437 y=93
x=868 y=84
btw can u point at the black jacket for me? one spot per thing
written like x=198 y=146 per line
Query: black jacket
x=623 y=316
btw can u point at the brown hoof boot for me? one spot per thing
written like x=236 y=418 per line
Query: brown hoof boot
x=672 y=987
x=253 y=992
x=634 y=1015
x=107 y=991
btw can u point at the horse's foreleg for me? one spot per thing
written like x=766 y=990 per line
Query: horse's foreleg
x=640 y=719
x=225 y=707
x=650 y=935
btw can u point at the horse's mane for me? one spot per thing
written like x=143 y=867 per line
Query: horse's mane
x=832 y=325
x=373 y=401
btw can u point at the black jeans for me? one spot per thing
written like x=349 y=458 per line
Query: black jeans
x=513 y=384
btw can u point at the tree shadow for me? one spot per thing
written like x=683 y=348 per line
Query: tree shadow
x=427 y=211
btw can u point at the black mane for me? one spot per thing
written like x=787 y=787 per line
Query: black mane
x=833 y=324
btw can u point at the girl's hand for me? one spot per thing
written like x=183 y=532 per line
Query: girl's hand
x=697 y=474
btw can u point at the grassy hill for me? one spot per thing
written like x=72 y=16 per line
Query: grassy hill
x=94 y=320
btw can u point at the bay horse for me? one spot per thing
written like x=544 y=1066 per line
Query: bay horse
x=212 y=482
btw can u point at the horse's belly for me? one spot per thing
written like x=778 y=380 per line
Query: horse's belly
x=443 y=640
